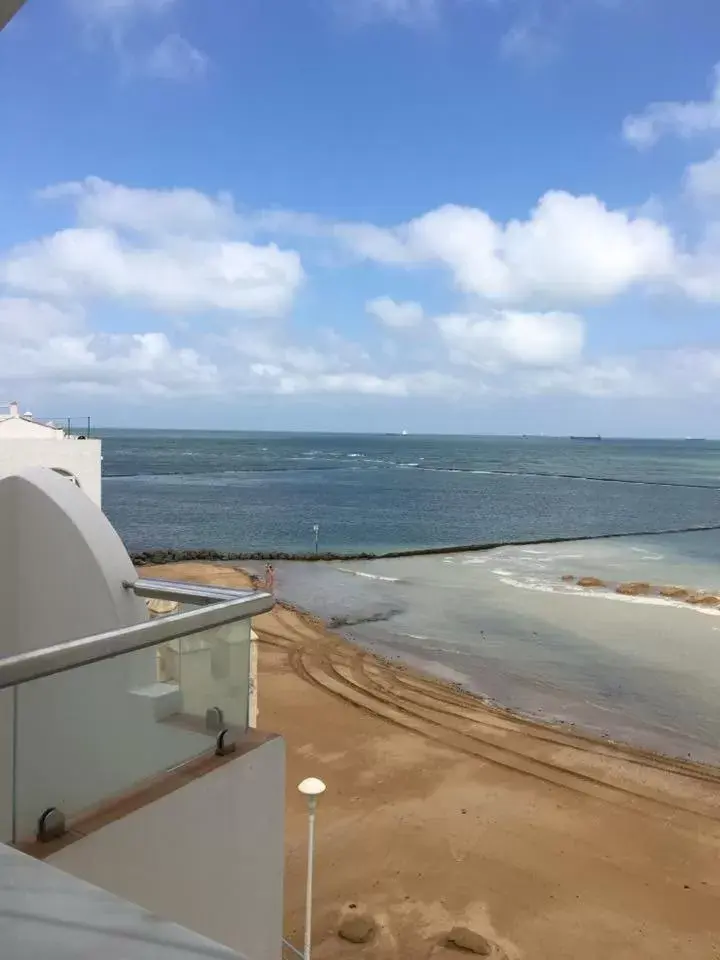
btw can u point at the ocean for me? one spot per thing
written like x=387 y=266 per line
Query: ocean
x=265 y=492
x=501 y=622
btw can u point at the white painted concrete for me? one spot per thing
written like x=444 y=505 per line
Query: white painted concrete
x=82 y=735
x=62 y=565
x=88 y=734
x=79 y=459
x=208 y=856
x=49 y=915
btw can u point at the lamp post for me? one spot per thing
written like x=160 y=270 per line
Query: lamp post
x=316 y=531
x=311 y=788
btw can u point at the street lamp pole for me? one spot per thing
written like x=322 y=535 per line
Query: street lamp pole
x=311 y=788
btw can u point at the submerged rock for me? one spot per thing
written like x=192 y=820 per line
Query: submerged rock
x=703 y=599
x=634 y=589
x=591 y=582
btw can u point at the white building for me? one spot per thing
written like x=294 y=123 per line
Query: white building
x=27 y=442
x=136 y=733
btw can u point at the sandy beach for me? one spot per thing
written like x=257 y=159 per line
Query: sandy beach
x=442 y=811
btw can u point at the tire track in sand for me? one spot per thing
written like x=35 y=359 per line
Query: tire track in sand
x=461 y=722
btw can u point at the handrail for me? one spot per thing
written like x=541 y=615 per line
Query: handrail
x=183 y=592
x=47 y=661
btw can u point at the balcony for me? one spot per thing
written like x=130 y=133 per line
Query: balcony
x=127 y=756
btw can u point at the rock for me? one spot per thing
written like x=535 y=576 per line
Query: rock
x=568 y=578
x=460 y=938
x=590 y=582
x=633 y=589
x=703 y=599
x=357 y=928
x=676 y=593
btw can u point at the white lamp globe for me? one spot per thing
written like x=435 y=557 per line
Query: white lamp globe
x=311 y=787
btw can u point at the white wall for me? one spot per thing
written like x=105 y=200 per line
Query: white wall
x=208 y=856
x=96 y=731
x=62 y=567
x=81 y=458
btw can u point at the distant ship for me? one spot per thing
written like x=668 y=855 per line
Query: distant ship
x=597 y=437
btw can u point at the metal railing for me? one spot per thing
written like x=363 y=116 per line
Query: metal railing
x=219 y=606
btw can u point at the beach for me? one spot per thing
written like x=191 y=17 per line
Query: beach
x=443 y=810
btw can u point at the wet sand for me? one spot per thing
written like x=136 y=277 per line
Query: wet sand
x=444 y=811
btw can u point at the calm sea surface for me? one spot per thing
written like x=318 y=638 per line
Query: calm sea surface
x=233 y=491
x=501 y=622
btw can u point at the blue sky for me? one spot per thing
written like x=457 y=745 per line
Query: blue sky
x=438 y=215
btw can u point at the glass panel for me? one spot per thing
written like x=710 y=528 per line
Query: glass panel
x=6 y=764
x=215 y=671
x=93 y=733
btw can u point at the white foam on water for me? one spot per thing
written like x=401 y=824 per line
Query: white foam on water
x=369 y=576
x=531 y=583
x=653 y=556
x=473 y=560
x=503 y=573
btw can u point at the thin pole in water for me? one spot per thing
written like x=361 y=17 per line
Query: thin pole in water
x=316 y=531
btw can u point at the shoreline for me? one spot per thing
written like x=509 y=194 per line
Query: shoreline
x=442 y=810
x=571 y=727
x=450 y=687
x=161 y=556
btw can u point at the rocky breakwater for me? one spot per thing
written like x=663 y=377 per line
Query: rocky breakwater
x=634 y=588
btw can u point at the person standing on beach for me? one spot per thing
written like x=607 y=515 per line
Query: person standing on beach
x=270 y=578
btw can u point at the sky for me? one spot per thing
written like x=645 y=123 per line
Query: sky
x=443 y=216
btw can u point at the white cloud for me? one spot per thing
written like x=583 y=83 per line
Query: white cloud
x=119 y=23
x=180 y=275
x=406 y=12
x=428 y=383
x=398 y=315
x=571 y=249
x=146 y=211
x=130 y=364
x=683 y=119
x=109 y=10
x=34 y=321
x=174 y=58
x=511 y=339
x=702 y=180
